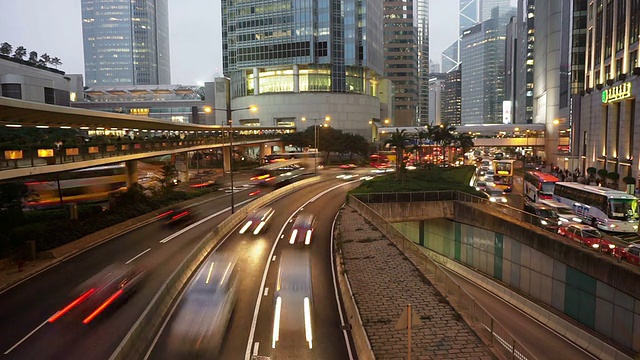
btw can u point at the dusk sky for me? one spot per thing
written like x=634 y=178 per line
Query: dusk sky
x=55 y=28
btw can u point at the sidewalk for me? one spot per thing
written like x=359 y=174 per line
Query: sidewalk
x=383 y=282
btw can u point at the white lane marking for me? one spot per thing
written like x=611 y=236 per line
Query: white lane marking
x=335 y=288
x=137 y=256
x=266 y=291
x=182 y=231
x=273 y=258
x=255 y=348
x=26 y=337
x=175 y=304
x=254 y=322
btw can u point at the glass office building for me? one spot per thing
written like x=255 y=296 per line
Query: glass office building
x=126 y=42
x=273 y=47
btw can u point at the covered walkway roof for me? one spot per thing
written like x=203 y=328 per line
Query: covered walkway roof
x=18 y=113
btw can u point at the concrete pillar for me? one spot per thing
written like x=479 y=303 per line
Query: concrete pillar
x=182 y=167
x=296 y=79
x=226 y=159
x=131 y=167
x=256 y=81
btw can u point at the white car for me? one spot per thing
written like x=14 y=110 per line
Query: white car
x=495 y=195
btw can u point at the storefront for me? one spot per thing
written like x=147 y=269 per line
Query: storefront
x=609 y=130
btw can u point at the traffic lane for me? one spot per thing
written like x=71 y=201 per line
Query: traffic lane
x=252 y=252
x=23 y=308
x=529 y=332
x=327 y=337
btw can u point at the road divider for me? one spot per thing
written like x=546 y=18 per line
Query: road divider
x=135 y=343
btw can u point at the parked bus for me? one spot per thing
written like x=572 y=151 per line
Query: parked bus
x=88 y=185
x=503 y=174
x=538 y=185
x=604 y=208
x=281 y=172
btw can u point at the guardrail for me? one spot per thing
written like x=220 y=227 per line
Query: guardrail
x=136 y=342
x=479 y=318
x=31 y=156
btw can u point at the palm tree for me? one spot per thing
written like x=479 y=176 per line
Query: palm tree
x=464 y=141
x=399 y=140
x=422 y=135
x=443 y=136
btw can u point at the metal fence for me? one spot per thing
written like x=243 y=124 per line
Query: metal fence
x=479 y=318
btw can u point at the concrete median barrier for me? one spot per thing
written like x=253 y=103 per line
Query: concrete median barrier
x=137 y=341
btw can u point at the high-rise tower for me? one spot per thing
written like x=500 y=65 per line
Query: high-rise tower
x=126 y=42
x=423 y=62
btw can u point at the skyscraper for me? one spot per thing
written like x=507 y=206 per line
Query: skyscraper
x=451 y=102
x=523 y=94
x=126 y=42
x=401 y=58
x=323 y=58
x=483 y=56
x=423 y=62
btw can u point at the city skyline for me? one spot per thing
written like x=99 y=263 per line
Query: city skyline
x=190 y=29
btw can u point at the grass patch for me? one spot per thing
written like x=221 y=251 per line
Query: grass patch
x=434 y=179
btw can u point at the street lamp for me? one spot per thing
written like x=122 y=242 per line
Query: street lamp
x=251 y=108
x=316 y=140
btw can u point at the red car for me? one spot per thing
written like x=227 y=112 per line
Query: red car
x=630 y=254
x=586 y=235
x=348 y=166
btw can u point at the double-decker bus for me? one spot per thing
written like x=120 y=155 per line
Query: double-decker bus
x=503 y=174
x=379 y=161
x=538 y=185
x=604 y=208
x=88 y=185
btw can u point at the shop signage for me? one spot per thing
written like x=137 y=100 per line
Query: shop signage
x=616 y=93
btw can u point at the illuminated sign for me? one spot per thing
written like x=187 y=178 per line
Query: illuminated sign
x=13 y=154
x=43 y=153
x=506 y=112
x=616 y=93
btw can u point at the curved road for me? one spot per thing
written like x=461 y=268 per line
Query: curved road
x=25 y=308
x=250 y=332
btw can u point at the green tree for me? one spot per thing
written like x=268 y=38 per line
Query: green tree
x=20 y=53
x=33 y=57
x=5 y=49
x=443 y=135
x=329 y=141
x=422 y=135
x=168 y=174
x=398 y=141
x=464 y=141
x=56 y=62
x=354 y=144
x=299 y=140
x=45 y=59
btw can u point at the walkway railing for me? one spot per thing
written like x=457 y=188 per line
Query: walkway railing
x=31 y=156
x=485 y=324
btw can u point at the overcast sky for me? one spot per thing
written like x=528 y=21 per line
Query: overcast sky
x=55 y=27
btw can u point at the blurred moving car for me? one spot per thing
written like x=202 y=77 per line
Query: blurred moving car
x=544 y=216
x=495 y=195
x=202 y=316
x=565 y=213
x=588 y=236
x=302 y=229
x=104 y=290
x=258 y=220
x=293 y=302
x=629 y=253
x=348 y=166
x=481 y=186
x=347 y=176
x=176 y=216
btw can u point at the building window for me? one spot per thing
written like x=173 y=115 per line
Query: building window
x=13 y=91
x=49 y=96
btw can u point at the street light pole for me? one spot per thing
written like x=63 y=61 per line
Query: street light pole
x=230 y=122
x=316 y=140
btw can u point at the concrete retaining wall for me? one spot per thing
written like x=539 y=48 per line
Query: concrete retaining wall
x=397 y=212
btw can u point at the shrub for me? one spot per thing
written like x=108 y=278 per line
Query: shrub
x=591 y=171
x=613 y=176
x=602 y=173
x=629 y=180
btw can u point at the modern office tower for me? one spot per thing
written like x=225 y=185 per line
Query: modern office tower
x=482 y=56
x=322 y=58
x=450 y=57
x=510 y=71
x=485 y=8
x=433 y=67
x=608 y=136
x=423 y=62
x=401 y=58
x=451 y=102
x=468 y=14
x=436 y=87
x=523 y=94
x=126 y=42
x=558 y=43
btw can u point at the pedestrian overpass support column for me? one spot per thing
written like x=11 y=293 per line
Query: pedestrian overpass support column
x=182 y=167
x=265 y=149
x=226 y=159
x=131 y=167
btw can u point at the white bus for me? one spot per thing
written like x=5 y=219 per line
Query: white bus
x=606 y=209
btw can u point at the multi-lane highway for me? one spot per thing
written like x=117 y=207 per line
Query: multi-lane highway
x=25 y=308
x=250 y=331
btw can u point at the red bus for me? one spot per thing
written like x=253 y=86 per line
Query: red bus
x=538 y=185
x=379 y=161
